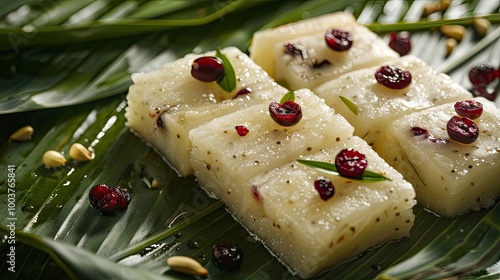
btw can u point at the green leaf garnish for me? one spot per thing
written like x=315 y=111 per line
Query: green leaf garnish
x=368 y=176
x=289 y=96
x=228 y=82
x=349 y=104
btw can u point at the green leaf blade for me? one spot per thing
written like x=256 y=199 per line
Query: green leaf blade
x=368 y=176
x=350 y=105
x=228 y=82
x=289 y=96
x=321 y=165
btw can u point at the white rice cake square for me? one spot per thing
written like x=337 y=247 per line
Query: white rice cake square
x=317 y=63
x=284 y=210
x=449 y=178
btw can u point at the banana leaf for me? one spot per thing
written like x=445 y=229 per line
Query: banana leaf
x=70 y=84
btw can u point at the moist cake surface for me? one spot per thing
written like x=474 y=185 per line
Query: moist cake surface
x=449 y=178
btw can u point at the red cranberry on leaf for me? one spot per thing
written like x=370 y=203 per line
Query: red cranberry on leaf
x=287 y=114
x=350 y=163
x=107 y=200
x=227 y=256
x=123 y=199
x=108 y=204
x=462 y=130
x=97 y=192
x=207 y=69
x=393 y=77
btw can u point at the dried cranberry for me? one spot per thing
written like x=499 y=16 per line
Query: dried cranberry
x=159 y=121
x=227 y=256
x=485 y=90
x=243 y=91
x=287 y=114
x=482 y=73
x=108 y=204
x=107 y=199
x=393 y=77
x=123 y=198
x=471 y=109
x=256 y=193
x=462 y=130
x=295 y=50
x=324 y=187
x=350 y=163
x=97 y=192
x=400 y=42
x=316 y=64
x=338 y=40
x=418 y=131
x=241 y=130
x=207 y=69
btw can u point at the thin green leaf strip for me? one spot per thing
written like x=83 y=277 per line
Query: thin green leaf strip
x=368 y=176
x=426 y=25
x=349 y=104
x=228 y=82
x=289 y=96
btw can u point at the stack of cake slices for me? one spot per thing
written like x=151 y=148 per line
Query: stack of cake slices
x=258 y=167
